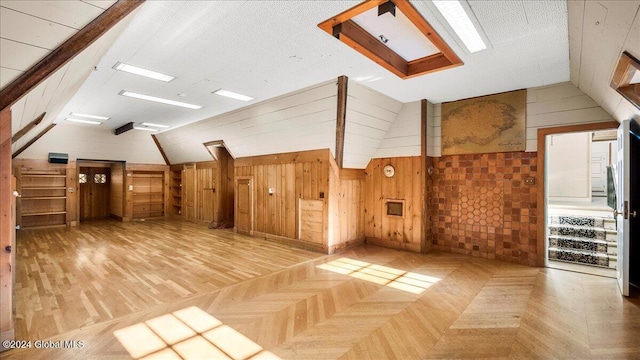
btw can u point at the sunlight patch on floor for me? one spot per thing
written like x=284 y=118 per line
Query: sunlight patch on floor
x=382 y=275
x=190 y=333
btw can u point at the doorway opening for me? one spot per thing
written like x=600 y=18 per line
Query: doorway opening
x=580 y=226
x=100 y=189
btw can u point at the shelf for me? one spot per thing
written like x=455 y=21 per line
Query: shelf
x=45 y=213
x=44 y=198
x=43 y=176
x=44 y=188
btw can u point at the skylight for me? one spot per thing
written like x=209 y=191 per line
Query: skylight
x=460 y=22
x=143 y=72
x=159 y=100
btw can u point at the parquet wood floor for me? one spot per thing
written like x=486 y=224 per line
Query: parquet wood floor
x=292 y=304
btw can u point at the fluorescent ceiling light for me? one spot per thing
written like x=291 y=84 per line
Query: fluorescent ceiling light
x=84 y=121
x=233 y=95
x=159 y=100
x=144 y=128
x=90 y=116
x=460 y=22
x=156 y=125
x=143 y=72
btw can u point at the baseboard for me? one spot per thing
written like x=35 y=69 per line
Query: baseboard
x=393 y=244
x=334 y=249
x=7 y=335
x=293 y=242
x=119 y=218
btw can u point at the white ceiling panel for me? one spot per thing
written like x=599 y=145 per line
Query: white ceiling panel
x=7 y=75
x=74 y=14
x=32 y=30
x=18 y=56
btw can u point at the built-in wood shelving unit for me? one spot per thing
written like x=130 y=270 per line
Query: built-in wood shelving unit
x=43 y=200
x=148 y=194
x=176 y=190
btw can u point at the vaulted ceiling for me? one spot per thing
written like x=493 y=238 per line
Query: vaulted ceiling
x=269 y=48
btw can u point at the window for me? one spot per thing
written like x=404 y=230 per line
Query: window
x=82 y=178
x=100 y=178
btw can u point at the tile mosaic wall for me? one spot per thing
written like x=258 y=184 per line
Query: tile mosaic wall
x=479 y=205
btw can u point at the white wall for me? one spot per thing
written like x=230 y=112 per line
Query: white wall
x=303 y=120
x=403 y=137
x=95 y=142
x=370 y=115
x=569 y=167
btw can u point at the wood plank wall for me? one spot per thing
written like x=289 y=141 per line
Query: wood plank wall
x=346 y=208
x=117 y=191
x=392 y=231
x=291 y=176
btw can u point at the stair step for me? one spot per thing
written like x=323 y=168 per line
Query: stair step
x=579 y=243
x=583 y=221
x=583 y=257
x=583 y=231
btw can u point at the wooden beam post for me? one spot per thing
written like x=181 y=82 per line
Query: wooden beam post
x=27 y=128
x=7 y=230
x=424 y=246
x=164 y=156
x=36 y=138
x=67 y=51
x=341 y=119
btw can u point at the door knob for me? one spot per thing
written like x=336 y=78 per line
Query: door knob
x=616 y=212
x=632 y=214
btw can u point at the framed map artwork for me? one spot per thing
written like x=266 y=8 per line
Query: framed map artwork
x=486 y=124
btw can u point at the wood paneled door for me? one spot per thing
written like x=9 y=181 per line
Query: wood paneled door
x=94 y=185
x=244 y=206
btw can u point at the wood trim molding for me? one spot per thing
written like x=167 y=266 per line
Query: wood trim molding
x=541 y=174
x=164 y=156
x=30 y=142
x=346 y=30
x=626 y=69
x=424 y=246
x=20 y=133
x=341 y=119
x=66 y=51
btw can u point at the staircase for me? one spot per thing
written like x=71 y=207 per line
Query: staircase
x=583 y=239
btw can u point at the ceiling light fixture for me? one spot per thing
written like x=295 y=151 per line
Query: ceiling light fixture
x=90 y=116
x=144 y=128
x=156 y=125
x=84 y=121
x=143 y=72
x=233 y=95
x=461 y=23
x=159 y=100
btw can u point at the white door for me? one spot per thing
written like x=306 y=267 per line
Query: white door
x=623 y=192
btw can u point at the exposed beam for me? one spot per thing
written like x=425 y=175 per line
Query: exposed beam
x=36 y=138
x=341 y=119
x=424 y=246
x=67 y=51
x=7 y=229
x=27 y=128
x=429 y=64
x=353 y=35
x=164 y=156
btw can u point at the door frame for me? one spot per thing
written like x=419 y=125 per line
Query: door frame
x=99 y=163
x=235 y=203
x=541 y=205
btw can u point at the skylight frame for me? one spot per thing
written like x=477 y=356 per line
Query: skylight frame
x=346 y=30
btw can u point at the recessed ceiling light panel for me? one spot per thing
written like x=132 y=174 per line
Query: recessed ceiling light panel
x=84 y=121
x=461 y=23
x=155 y=125
x=144 y=128
x=143 y=72
x=90 y=116
x=233 y=95
x=158 y=100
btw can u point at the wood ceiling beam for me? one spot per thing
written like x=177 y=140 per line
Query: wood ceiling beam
x=164 y=156
x=27 y=128
x=30 y=142
x=341 y=119
x=66 y=52
x=429 y=64
x=359 y=39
